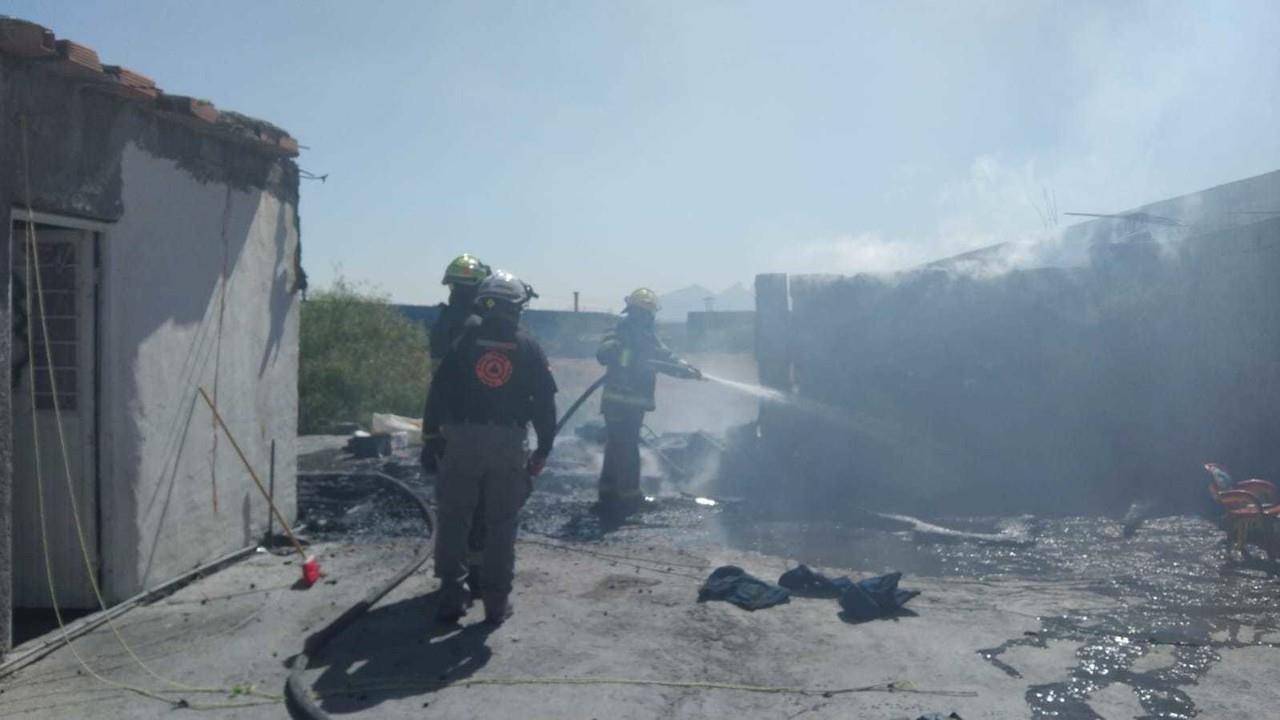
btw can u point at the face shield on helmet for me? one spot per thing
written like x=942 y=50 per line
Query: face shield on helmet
x=504 y=295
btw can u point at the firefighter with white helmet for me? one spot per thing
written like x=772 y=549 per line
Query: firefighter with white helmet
x=633 y=355
x=492 y=383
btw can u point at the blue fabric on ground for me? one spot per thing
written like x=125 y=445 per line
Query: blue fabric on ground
x=874 y=597
x=732 y=584
x=804 y=581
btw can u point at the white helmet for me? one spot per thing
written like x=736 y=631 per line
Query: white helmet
x=503 y=292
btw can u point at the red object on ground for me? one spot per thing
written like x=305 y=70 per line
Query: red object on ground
x=311 y=571
x=1251 y=506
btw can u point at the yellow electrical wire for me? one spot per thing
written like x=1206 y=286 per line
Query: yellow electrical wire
x=33 y=269
x=629 y=560
x=888 y=687
x=44 y=535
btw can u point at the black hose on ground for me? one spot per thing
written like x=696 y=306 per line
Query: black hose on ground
x=296 y=692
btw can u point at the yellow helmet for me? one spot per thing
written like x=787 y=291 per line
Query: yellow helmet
x=643 y=299
x=465 y=270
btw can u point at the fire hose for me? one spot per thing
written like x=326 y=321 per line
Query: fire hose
x=680 y=369
x=578 y=403
x=296 y=692
x=656 y=364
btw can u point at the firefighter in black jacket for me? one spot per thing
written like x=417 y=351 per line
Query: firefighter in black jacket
x=490 y=386
x=463 y=277
x=633 y=355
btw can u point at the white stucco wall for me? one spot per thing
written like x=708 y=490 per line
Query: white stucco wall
x=161 y=337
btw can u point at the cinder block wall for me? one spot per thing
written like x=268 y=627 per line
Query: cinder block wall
x=561 y=333
x=1052 y=390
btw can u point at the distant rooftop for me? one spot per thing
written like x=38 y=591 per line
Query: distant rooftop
x=37 y=45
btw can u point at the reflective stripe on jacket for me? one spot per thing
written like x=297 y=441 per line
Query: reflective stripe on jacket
x=627 y=351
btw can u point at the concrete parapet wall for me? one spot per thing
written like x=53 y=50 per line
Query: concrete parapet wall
x=723 y=331
x=561 y=333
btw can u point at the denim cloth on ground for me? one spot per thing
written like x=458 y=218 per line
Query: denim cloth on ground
x=804 y=581
x=874 y=597
x=732 y=584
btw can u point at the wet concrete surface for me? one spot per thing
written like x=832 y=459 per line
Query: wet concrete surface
x=1155 y=614
x=1170 y=588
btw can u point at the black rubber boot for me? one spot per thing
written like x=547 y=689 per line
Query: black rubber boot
x=451 y=607
x=497 y=612
x=474 y=584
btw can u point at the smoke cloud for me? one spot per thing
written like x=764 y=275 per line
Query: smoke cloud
x=1170 y=98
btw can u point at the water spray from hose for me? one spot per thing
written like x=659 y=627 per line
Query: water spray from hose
x=852 y=421
x=758 y=391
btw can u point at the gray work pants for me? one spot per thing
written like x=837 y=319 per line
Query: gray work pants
x=488 y=459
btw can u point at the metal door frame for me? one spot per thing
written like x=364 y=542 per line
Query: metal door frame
x=94 y=233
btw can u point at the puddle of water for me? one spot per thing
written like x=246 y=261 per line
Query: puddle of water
x=831 y=544
x=1169 y=587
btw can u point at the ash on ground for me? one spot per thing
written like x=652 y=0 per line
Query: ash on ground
x=339 y=500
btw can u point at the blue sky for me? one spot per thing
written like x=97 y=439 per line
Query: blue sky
x=597 y=146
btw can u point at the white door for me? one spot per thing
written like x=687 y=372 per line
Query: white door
x=66 y=261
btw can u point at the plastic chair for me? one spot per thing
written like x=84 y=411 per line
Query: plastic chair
x=1251 y=507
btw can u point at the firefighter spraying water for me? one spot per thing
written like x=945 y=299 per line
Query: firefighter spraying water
x=632 y=355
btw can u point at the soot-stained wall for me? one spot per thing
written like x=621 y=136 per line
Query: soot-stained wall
x=1046 y=390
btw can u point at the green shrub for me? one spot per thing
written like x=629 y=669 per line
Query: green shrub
x=358 y=356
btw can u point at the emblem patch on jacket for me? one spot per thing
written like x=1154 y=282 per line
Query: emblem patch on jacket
x=493 y=369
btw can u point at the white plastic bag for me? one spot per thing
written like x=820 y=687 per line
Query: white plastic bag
x=388 y=423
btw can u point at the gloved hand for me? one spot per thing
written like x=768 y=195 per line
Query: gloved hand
x=430 y=463
x=537 y=462
x=432 y=451
x=693 y=372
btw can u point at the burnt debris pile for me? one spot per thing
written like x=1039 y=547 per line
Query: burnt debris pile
x=337 y=500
